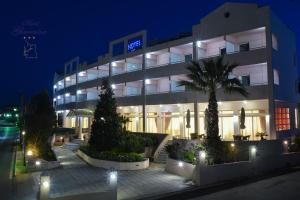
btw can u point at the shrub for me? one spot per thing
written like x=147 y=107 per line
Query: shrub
x=112 y=155
x=131 y=143
x=173 y=150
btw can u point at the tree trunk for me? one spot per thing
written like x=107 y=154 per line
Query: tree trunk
x=213 y=118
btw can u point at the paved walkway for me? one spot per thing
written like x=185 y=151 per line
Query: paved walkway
x=67 y=158
x=78 y=178
x=276 y=188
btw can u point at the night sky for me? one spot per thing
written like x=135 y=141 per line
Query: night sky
x=84 y=28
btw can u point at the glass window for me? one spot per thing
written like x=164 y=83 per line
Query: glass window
x=274 y=42
x=276 y=76
x=282 y=119
x=244 y=47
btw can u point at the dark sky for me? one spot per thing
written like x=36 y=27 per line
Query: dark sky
x=84 y=28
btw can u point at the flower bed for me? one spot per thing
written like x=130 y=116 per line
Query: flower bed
x=117 y=161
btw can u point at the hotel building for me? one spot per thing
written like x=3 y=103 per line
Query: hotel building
x=144 y=77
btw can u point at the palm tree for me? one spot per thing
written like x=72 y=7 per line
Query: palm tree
x=213 y=74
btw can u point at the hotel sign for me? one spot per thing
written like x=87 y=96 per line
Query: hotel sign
x=134 y=44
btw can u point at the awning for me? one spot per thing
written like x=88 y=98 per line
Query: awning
x=80 y=113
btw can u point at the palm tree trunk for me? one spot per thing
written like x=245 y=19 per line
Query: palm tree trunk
x=213 y=118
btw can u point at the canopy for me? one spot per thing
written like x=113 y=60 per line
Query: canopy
x=80 y=113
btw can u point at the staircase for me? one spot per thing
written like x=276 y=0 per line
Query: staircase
x=162 y=155
x=71 y=146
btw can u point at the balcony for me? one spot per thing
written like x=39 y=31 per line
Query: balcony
x=134 y=88
x=127 y=65
x=69 y=98
x=59 y=85
x=181 y=53
x=252 y=75
x=157 y=58
x=70 y=80
x=87 y=94
x=157 y=85
x=232 y=43
x=93 y=73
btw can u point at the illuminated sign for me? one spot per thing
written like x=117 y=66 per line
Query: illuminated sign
x=134 y=44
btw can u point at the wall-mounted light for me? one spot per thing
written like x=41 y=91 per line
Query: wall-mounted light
x=59 y=83
x=54 y=86
x=81 y=74
x=113 y=86
x=199 y=44
x=79 y=92
x=58 y=97
x=147 y=81
x=220 y=103
x=67 y=94
x=114 y=64
x=232 y=145
x=68 y=78
x=148 y=55
x=245 y=102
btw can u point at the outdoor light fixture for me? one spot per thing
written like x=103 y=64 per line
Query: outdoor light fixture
x=29 y=153
x=148 y=55
x=61 y=138
x=285 y=142
x=202 y=154
x=253 y=150
x=59 y=83
x=199 y=44
x=54 y=86
x=37 y=163
x=58 y=97
x=113 y=86
x=114 y=64
x=67 y=94
x=180 y=164
x=160 y=106
x=232 y=145
x=46 y=184
x=79 y=92
x=23 y=132
x=113 y=176
x=245 y=102
x=220 y=103
x=178 y=105
x=68 y=78
x=81 y=74
x=54 y=99
x=147 y=81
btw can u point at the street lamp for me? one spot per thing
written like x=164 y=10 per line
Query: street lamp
x=23 y=147
x=29 y=153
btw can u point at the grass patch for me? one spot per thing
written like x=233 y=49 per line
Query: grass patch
x=20 y=168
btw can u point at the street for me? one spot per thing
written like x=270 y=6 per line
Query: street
x=7 y=135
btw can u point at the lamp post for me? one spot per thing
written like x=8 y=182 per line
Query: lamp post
x=23 y=147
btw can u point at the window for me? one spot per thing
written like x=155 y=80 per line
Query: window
x=274 y=42
x=296 y=118
x=244 y=47
x=223 y=51
x=245 y=80
x=276 y=76
x=282 y=119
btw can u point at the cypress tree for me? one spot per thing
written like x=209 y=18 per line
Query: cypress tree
x=107 y=125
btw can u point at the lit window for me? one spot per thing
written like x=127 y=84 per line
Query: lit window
x=296 y=118
x=276 y=76
x=274 y=42
x=282 y=119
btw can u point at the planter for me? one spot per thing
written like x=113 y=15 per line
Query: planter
x=107 y=164
x=183 y=169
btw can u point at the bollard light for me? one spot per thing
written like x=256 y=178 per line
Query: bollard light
x=37 y=163
x=29 y=153
x=202 y=155
x=113 y=176
x=253 y=150
x=232 y=145
x=180 y=164
x=45 y=184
